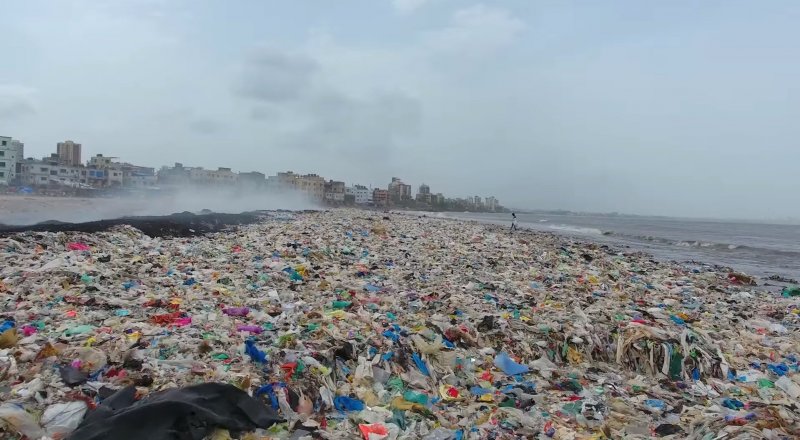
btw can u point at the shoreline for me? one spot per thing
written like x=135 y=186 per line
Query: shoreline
x=174 y=223
x=777 y=271
x=499 y=228
x=756 y=262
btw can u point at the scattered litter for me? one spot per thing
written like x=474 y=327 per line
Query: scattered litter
x=348 y=324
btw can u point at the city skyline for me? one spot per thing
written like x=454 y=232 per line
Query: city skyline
x=65 y=170
x=87 y=151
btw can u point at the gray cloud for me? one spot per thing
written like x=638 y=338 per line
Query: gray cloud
x=265 y=112
x=205 y=126
x=270 y=75
x=364 y=127
x=16 y=101
x=323 y=117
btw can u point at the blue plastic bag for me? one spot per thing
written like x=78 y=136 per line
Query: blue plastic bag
x=255 y=354
x=511 y=368
x=6 y=325
x=344 y=403
x=420 y=364
x=656 y=404
x=269 y=390
x=479 y=391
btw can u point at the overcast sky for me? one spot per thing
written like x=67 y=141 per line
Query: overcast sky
x=686 y=108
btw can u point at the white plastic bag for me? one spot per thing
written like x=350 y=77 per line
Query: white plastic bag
x=21 y=420
x=62 y=418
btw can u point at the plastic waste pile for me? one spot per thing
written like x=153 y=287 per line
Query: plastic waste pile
x=348 y=325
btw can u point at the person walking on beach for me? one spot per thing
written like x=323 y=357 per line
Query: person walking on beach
x=513 y=221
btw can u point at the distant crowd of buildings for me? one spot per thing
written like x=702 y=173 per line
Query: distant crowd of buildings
x=65 y=172
x=65 y=169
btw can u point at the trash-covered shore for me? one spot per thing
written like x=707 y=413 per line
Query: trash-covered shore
x=353 y=324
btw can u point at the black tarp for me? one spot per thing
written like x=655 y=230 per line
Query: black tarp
x=189 y=413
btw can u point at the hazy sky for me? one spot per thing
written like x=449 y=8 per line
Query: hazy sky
x=686 y=108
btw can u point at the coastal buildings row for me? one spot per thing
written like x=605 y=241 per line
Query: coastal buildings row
x=331 y=192
x=65 y=169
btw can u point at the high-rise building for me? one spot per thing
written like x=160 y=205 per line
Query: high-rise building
x=69 y=153
x=424 y=194
x=19 y=147
x=11 y=154
x=361 y=194
x=399 y=191
x=492 y=203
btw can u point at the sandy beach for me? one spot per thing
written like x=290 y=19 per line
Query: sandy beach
x=349 y=322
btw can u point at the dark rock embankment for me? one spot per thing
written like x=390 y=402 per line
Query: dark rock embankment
x=184 y=224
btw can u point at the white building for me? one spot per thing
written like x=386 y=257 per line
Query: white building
x=138 y=177
x=116 y=177
x=11 y=153
x=362 y=194
x=48 y=171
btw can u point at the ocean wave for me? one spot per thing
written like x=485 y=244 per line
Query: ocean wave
x=706 y=245
x=576 y=229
